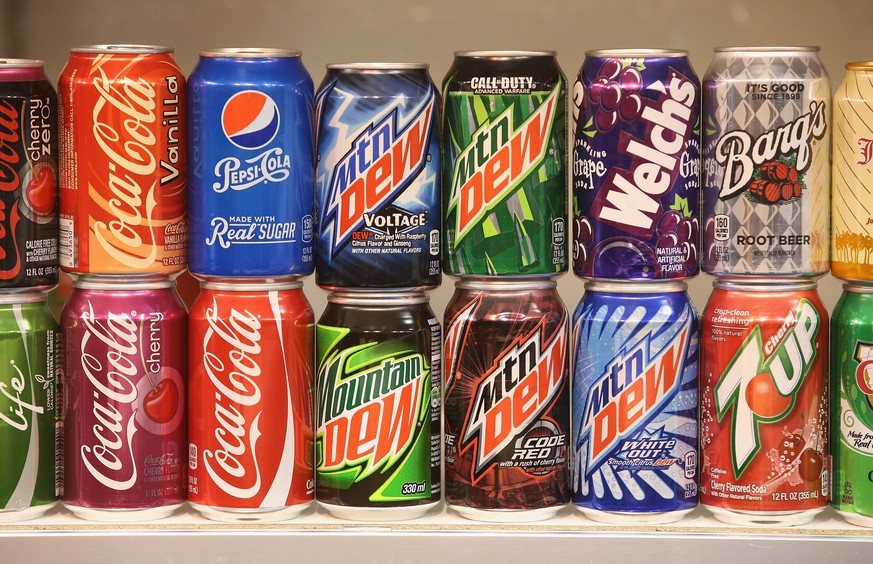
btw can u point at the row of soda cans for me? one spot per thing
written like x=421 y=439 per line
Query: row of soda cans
x=396 y=184
x=633 y=410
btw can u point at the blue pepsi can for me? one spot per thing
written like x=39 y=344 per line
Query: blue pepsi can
x=378 y=177
x=250 y=180
x=635 y=402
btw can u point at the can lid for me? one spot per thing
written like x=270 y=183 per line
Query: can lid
x=251 y=53
x=505 y=54
x=647 y=286
x=378 y=67
x=24 y=297
x=782 y=49
x=121 y=282
x=123 y=48
x=858 y=287
x=510 y=284
x=21 y=64
x=637 y=53
x=377 y=298
x=250 y=285
x=860 y=66
x=765 y=284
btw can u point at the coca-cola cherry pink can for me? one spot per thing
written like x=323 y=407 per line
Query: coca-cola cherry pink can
x=251 y=365
x=125 y=385
x=122 y=161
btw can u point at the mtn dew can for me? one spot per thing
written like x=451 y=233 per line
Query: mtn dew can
x=852 y=404
x=504 y=164
x=377 y=444
x=29 y=406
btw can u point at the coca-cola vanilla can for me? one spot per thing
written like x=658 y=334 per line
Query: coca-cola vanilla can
x=250 y=456
x=125 y=399
x=122 y=165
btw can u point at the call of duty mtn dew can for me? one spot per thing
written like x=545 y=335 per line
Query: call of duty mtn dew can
x=377 y=449
x=852 y=404
x=766 y=167
x=504 y=164
x=29 y=406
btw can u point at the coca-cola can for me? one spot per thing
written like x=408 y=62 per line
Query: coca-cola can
x=251 y=366
x=124 y=407
x=123 y=166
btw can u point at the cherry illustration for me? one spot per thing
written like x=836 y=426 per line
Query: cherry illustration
x=40 y=191
x=764 y=399
x=162 y=402
x=811 y=464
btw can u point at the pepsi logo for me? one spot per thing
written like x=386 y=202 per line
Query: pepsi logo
x=250 y=119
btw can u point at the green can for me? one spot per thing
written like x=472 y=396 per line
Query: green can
x=504 y=164
x=852 y=404
x=29 y=406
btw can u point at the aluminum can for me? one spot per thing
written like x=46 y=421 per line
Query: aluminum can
x=636 y=165
x=122 y=165
x=378 y=177
x=635 y=402
x=851 y=408
x=764 y=403
x=29 y=406
x=125 y=379
x=250 y=197
x=852 y=195
x=504 y=164
x=251 y=359
x=766 y=154
x=377 y=443
x=28 y=176
x=507 y=405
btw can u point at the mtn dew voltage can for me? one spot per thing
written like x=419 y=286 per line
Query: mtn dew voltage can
x=29 y=406
x=764 y=403
x=635 y=402
x=504 y=164
x=852 y=404
x=378 y=177
x=377 y=450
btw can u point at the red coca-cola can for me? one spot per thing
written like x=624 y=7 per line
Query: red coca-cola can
x=123 y=165
x=124 y=419
x=764 y=403
x=251 y=359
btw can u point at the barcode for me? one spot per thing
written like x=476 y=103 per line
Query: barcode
x=59 y=458
x=67 y=240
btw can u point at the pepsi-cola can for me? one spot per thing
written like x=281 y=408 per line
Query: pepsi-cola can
x=378 y=177
x=251 y=190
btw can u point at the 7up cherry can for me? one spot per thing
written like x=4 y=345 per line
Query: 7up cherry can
x=504 y=164
x=764 y=403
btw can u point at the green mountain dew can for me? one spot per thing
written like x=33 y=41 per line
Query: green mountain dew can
x=852 y=404
x=377 y=443
x=504 y=164
x=29 y=406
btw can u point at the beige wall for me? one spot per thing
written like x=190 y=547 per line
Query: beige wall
x=410 y=30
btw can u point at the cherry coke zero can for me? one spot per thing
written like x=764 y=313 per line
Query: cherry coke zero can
x=636 y=165
x=125 y=420
x=507 y=408
x=251 y=361
x=250 y=192
x=28 y=176
x=764 y=403
x=123 y=167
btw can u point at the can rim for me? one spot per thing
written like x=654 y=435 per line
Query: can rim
x=860 y=65
x=378 y=66
x=121 y=282
x=250 y=285
x=368 y=298
x=858 y=287
x=765 y=284
x=508 y=54
x=514 y=284
x=24 y=297
x=647 y=286
x=251 y=53
x=10 y=63
x=123 y=49
x=769 y=49
x=637 y=53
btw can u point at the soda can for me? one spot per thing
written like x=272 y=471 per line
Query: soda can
x=766 y=152
x=122 y=163
x=852 y=213
x=851 y=405
x=377 y=442
x=28 y=176
x=378 y=177
x=125 y=423
x=250 y=197
x=636 y=163
x=251 y=360
x=507 y=405
x=764 y=403
x=635 y=376
x=504 y=164
x=29 y=406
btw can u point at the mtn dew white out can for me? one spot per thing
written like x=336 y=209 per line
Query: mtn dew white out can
x=766 y=179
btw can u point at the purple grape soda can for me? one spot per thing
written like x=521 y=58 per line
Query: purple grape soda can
x=636 y=165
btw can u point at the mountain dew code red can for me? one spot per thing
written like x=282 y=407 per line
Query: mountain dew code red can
x=852 y=405
x=377 y=444
x=504 y=161
x=29 y=406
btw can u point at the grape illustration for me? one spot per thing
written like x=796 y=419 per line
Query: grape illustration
x=631 y=80
x=610 y=69
x=678 y=240
x=614 y=95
